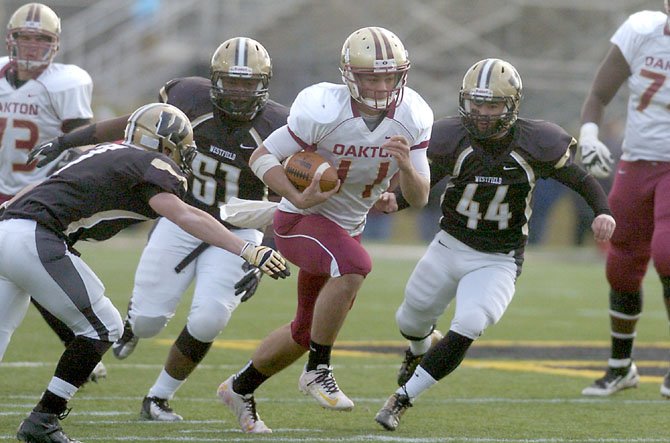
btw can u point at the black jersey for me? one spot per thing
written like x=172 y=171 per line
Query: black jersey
x=221 y=167
x=100 y=193
x=487 y=201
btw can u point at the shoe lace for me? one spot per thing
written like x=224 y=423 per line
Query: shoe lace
x=401 y=403
x=162 y=404
x=64 y=414
x=325 y=378
x=611 y=375
x=250 y=406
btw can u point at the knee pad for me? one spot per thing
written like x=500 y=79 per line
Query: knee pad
x=147 y=327
x=206 y=324
x=627 y=303
x=414 y=325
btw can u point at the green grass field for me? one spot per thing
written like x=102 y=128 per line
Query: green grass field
x=521 y=381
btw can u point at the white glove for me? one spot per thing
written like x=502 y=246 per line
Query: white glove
x=596 y=158
x=266 y=259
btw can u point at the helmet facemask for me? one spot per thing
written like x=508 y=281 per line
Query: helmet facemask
x=240 y=72
x=33 y=36
x=237 y=100
x=490 y=81
x=374 y=51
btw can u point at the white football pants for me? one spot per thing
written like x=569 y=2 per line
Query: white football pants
x=482 y=284
x=159 y=289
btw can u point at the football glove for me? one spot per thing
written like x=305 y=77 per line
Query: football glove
x=248 y=284
x=267 y=259
x=46 y=152
x=596 y=158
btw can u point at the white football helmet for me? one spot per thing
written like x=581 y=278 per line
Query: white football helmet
x=488 y=81
x=33 y=36
x=163 y=128
x=240 y=72
x=374 y=50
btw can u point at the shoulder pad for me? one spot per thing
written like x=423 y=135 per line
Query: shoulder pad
x=321 y=103
x=59 y=77
x=420 y=112
x=645 y=22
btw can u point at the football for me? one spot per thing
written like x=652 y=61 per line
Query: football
x=301 y=167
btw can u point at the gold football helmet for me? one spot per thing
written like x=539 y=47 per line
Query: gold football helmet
x=374 y=50
x=490 y=81
x=163 y=128
x=33 y=36
x=240 y=72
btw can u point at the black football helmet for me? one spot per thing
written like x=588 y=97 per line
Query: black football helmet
x=490 y=80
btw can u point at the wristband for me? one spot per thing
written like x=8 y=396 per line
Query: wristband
x=263 y=164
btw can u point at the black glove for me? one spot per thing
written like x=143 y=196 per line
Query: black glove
x=46 y=152
x=248 y=284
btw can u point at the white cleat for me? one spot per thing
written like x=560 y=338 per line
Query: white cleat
x=158 y=409
x=321 y=385
x=244 y=408
x=613 y=382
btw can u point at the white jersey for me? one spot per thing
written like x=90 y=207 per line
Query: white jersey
x=34 y=113
x=322 y=119
x=644 y=41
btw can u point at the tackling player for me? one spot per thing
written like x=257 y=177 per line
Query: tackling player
x=108 y=188
x=371 y=129
x=40 y=100
x=231 y=114
x=640 y=56
x=493 y=160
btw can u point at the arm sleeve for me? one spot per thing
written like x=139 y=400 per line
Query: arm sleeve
x=585 y=185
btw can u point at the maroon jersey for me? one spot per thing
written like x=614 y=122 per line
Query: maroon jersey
x=221 y=167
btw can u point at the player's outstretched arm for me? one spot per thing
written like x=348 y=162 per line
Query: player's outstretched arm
x=205 y=227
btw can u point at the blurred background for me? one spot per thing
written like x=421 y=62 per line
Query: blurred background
x=131 y=47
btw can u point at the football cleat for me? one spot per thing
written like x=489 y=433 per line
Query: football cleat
x=98 y=373
x=125 y=346
x=321 y=385
x=244 y=408
x=665 y=387
x=389 y=415
x=411 y=361
x=613 y=381
x=158 y=409
x=41 y=427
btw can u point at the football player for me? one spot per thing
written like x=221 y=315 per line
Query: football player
x=493 y=160
x=43 y=100
x=108 y=188
x=638 y=56
x=231 y=114
x=371 y=129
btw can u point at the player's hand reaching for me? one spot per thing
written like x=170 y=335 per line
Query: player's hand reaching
x=596 y=158
x=46 y=152
x=603 y=227
x=386 y=203
x=266 y=259
x=248 y=284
